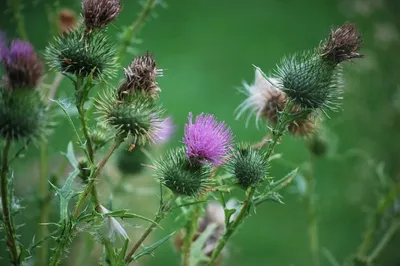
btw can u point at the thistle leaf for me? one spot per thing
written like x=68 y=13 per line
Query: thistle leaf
x=150 y=249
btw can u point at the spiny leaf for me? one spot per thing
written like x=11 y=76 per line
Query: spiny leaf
x=71 y=156
x=150 y=249
x=69 y=119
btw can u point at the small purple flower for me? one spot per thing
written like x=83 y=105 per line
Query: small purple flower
x=164 y=130
x=22 y=65
x=207 y=140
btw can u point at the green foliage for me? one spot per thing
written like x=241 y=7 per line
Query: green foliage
x=24 y=115
x=82 y=53
x=248 y=166
x=183 y=177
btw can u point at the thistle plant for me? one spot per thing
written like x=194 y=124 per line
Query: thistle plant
x=126 y=119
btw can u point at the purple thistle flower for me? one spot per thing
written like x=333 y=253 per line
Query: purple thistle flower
x=164 y=130
x=22 y=65
x=207 y=140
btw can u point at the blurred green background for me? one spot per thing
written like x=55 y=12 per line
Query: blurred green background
x=207 y=48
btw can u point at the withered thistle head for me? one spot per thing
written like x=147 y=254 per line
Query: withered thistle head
x=97 y=14
x=67 y=21
x=342 y=44
x=23 y=68
x=140 y=76
x=266 y=101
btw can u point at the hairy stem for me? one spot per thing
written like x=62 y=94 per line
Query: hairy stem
x=164 y=209
x=383 y=204
x=5 y=201
x=134 y=28
x=16 y=8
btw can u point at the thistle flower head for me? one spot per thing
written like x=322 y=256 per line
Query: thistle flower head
x=207 y=140
x=97 y=14
x=342 y=44
x=82 y=54
x=141 y=76
x=67 y=21
x=164 y=130
x=23 y=69
x=136 y=117
x=23 y=115
x=266 y=101
x=181 y=175
x=309 y=82
x=248 y=166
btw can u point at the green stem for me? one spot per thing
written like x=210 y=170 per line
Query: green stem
x=15 y=6
x=312 y=216
x=95 y=173
x=383 y=204
x=191 y=232
x=383 y=242
x=134 y=28
x=164 y=209
x=7 y=219
x=245 y=209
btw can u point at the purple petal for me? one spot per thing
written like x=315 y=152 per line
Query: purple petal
x=164 y=130
x=207 y=140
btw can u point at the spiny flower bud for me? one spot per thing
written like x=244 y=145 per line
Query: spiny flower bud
x=82 y=54
x=100 y=135
x=248 y=166
x=131 y=162
x=67 y=21
x=136 y=117
x=84 y=169
x=97 y=14
x=207 y=140
x=342 y=44
x=182 y=176
x=266 y=101
x=23 y=115
x=23 y=69
x=141 y=76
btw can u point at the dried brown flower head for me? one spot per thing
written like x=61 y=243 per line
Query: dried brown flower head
x=97 y=14
x=342 y=44
x=265 y=100
x=140 y=76
x=67 y=21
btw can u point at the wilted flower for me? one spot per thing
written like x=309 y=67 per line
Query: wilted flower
x=183 y=177
x=342 y=44
x=114 y=227
x=164 y=130
x=97 y=14
x=140 y=76
x=248 y=166
x=67 y=21
x=265 y=100
x=207 y=140
x=22 y=65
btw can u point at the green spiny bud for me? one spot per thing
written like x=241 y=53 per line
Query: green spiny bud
x=248 y=166
x=309 y=81
x=182 y=176
x=136 y=117
x=131 y=162
x=23 y=115
x=83 y=54
x=84 y=169
x=100 y=135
